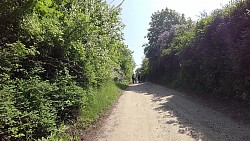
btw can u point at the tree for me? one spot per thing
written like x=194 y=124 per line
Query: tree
x=162 y=28
x=52 y=54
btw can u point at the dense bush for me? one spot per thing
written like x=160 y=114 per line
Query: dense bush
x=53 y=56
x=25 y=110
x=212 y=54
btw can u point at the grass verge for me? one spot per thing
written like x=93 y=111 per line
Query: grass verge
x=99 y=101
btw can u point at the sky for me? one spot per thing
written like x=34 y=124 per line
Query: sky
x=136 y=15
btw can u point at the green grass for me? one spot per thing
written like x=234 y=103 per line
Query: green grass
x=122 y=86
x=100 y=100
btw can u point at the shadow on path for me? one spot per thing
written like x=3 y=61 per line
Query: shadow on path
x=193 y=117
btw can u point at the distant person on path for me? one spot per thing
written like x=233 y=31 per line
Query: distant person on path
x=133 y=78
x=139 y=78
x=142 y=78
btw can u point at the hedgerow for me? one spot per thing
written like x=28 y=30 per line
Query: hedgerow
x=211 y=54
x=53 y=55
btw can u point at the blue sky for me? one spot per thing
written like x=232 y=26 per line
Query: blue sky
x=136 y=17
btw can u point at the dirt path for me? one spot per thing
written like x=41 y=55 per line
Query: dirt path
x=148 y=112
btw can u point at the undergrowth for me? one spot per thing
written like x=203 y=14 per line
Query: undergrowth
x=99 y=101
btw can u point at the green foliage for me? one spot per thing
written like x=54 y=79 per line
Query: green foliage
x=143 y=71
x=212 y=55
x=61 y=135
x=162 y=30
x=33 y=108
x=99 y=101
x=55 y=56
x=25 y=110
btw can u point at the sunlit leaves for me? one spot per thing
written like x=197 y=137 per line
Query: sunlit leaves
x=51 y=52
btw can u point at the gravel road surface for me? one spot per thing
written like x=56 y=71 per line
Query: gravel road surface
x=149 y=112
